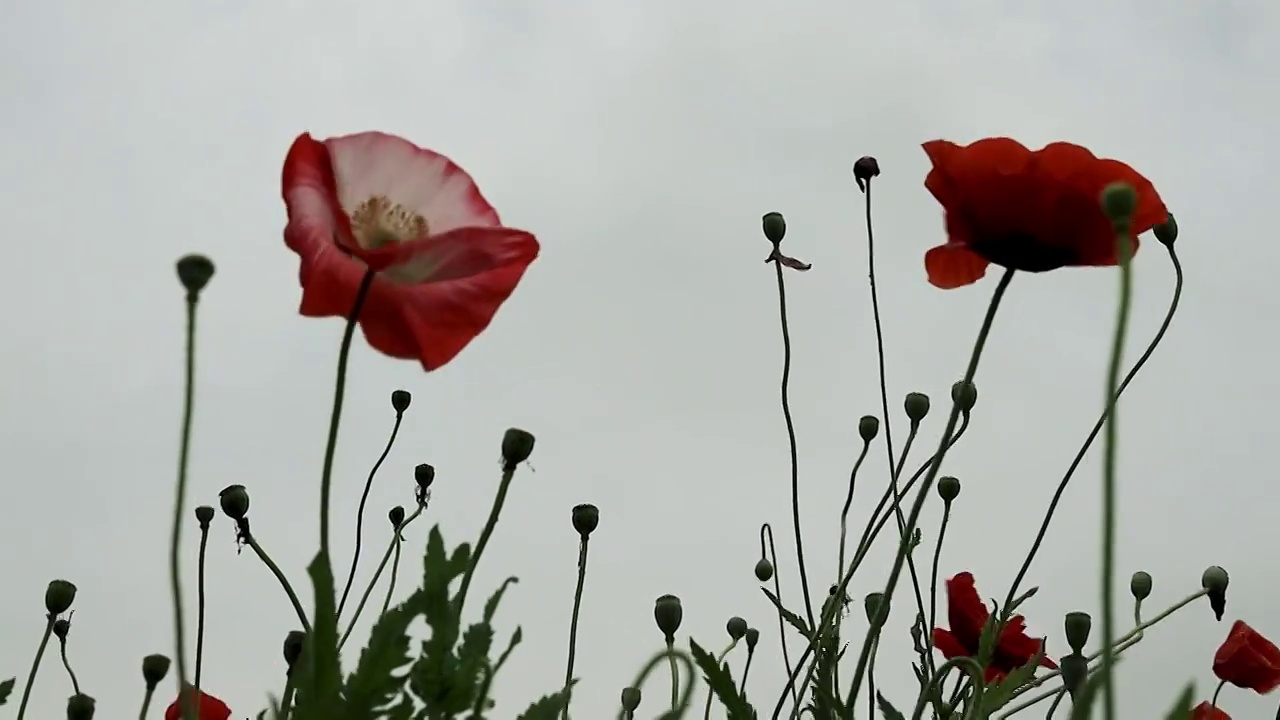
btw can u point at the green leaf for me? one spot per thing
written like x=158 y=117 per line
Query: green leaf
x=319 y=695
x=548 y=707
x=374 y=684
x=516 y=637
x=887 y=709
x=491 y=606
x=434 y=676
x=6 y=689
x=1181 y=709
x=998 y=695
x=721 y=683
x=795 y=620
x=987 y=641
x=826 y=700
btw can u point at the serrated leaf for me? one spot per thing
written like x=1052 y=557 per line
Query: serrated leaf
x=432 y=676
x=6 y=689
x=793 y=619
x=826 y=701
x=516 y=637
x=374 y=684
x=998 y=695
x=1181 y=709
x=491 y=605
x=548 y=707
x=887 y=709
x=987 y=640
x=473 y=657
x=721 y=683
x=318 y=694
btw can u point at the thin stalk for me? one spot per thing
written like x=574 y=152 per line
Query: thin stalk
x=508 y=472
x=848 y=503
x=35 y=666
x=766 y=531
x=397 y=541
x=252 y=542
x=933 y=577
x=364 y=499
x=573 y=623
x=146 y=702
x=675 y=675
x=180 y=499
x=706 y=715
x=75 y=683
x=200 y=601
x=364 y=598
x=742 y=684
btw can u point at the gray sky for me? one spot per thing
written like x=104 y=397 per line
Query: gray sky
x=641 y=142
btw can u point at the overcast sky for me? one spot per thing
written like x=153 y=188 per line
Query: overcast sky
x=641 y=142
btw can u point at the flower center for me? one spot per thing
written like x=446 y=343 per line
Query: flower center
x=378 y=221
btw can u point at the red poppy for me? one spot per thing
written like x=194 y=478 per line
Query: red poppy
x=1205 y=711
x=1026 y=210
x=374 y=201
x=1248 y=660
x=208 y=708
x=967 y=616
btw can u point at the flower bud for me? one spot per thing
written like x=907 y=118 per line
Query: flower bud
x=917 y=406
x=630 y=698
x=948 y=488
x=517 y=446
x=872 y=605
x=400 y=400
x=235 y=501
x=1119 y=201
x=58 y=596
x=586 y=518
x=668 y=613
x=775 y=227
x=964 y=394
x=424 y=475
x=1077 y=626
x=736 y=627
x=868 y=427
x=945 y=710
x=80 y=707
x=61 y=628
x=194 y=271
x=396 y=516
x=1214 y=580
x=864 y=169
x=154 y=669
x=1075 y=669
x=293 y=644
x=204 y=515
x=764 y=570
x=1140 y=585
x=753 y=638
x=1167 y=231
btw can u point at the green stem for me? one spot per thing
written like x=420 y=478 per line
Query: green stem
x=933 y=578
x=681 y=703
x=675 y=675
x=284 y=581
x=35 y=666
x=1214 y=701
x=286 y=701
x=508 y=472
x=848 y=503
x=971 y=668
x=200 y=604
x=397 y=541
x=364 y=499
x=364 y=598
x=146 y=703
x=75 y=683
x=180 y=499
x=706 y=715
x=573 y=623
x=766 y=531
x=746 y=670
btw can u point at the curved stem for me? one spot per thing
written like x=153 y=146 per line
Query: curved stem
x=766 y=530
x=791 y=437
x=573 y=623
x=75 y=683
x=508 y=472
x=908 y=537
x=200 y=602
x=742 y=685
x=1214 y=701
x=146 y=703
x=364 y=499
x=706 y=715
x=364 y=598
x=674 y=656
x=971 y=668
x=284 y=581
x=933 y=578
x=180 y=499
x=35 y=666
x=675 y=675
x=848 y=503
x=397 y=541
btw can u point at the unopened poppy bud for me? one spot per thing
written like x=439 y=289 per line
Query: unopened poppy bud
x=61 y=628
x=204 y=515
x=424 y=475
x=736 y=627
x=194 y=271
x=946 y=710
x=668 y=613
x=965 y=395
x=517 y=446
x=1119 y=201
x=1140 y=585
x=868 y=427
x=764 y=570
x=1077 y=626
x=872 y=605
x=400 y=400
x=630 y=698
x=916 y=405
x=396 y=516
x=58 y=596
x=948 y=488
x=80 y=707
x=1075 y=669
x=154 y=669
x=1167 y=231
x=586 y=518
x=775 y=227
x=864 y=169
x=753 y=638
x=1215 y=580
x=293 y=643
x=234 y=500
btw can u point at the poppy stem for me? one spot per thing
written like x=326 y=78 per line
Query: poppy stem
x=573 y=622
x=766 y=530
x=397 y=541
x=386 y=556
x=146 y=702
x=508 y=472
x=200 y=603
x=364 y=499
x=35 y=665
x=972 y=670
x=675 y=674
x=1214 y=701
x=186 y=700
x=62 y=649
x=844 y=523
x=252 y=542
x=746 y=670
x=927 y=484
x=933 y=578
x=706 y=715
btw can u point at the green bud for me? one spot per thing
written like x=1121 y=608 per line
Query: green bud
x=1215 y=580
x=61 y=628
x=424 y=475
x=1077 y=626
x=396 y=516
x=736 y=627
x=1119 y=201
x=630 y=698
x=517 y=446
x=1140 y=585
x=948 y=488
x=293 y=645
x=586 y=518
x=1075 y=669
x=964 y=394
x=58 y=596
x=764 y=570
x=400 y=400
x=871 y=604
x=204 y=515
x=235 y=501
x=668 y=613
x=154 y=669
x=194 y=271
x=753 y=637
x=868 y=427
x=775 y=227
x=917 y=406
x=80 y=707
x=1167 y=231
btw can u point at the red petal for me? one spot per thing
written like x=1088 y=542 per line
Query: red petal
x=453 y=255
x=1205 y=711
x=310 y=194
x=965 y=611
x=946 y=643
x=954 y=265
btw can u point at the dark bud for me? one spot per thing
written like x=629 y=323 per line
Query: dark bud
x=630 y=698
x=517 y=446
x=946 y=711
x=194 y=271
x=764 y=570
x=872 y=605
x=154 y=669
x=61 y=628
x=1077 y=626
x=586 y=518
x=775 y=227
x=736 y=627
x=293 y=643
x=58 y=596
x=864 y=169
x=424 y=475
x=204 y=516
x=396 y=516
x=400 y=400
x=868 y=427
x=668 y=613
x=1214 y=580
x=948 y=488
x=1140 y=585
x=234 y=500
x=80 y=707
x=964 y=394
x=1167 y=231
x=916 y=405
x=1075 y=669
x=753 y=639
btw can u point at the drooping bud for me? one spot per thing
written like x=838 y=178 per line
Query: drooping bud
x=668 y=613
x=948 y=488
x=61 y=628
x=517 y=446
x=58 y=596
x=917 y=406
x=154 y=669
x=1119 y=202
x=194 y=271
x=753 y=638
x=764 y=570
x=1215 y=580
x=424 y=475
x=1075 y=669
x=775 y=227
x=400 y=400
x=864 y=169
x=396 y=516
x=872 y=605
x=964 y=394
x=630 y=698
x=293 y=645
x=234 y=500
x=736 y=627
x=204 y=515
x=1140 y=585
x=1167 y=231
x=1077 y=626
x=868 y=427
x=80 y=707
x=586 y=517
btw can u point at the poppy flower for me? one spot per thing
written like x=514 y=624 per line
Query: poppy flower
x=1247 y=659
x=1205 y=711
x=444 y=261
x=967 y=616
x=1027 y=210
x=208 y=707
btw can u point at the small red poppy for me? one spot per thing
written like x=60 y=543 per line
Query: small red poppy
x=208 y=707
x=1248 y=660
x=445 y=262
x=1205 y=711
x=1026 y=210
x=967 y=616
